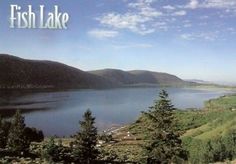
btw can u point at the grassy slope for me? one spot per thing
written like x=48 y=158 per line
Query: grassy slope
x=211 y=123
x=224 y=102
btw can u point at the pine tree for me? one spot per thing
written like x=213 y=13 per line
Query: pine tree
x=4 y=131
x=86 y=139
x=17 y=141
x=2 y=136
x=165 y=145
x=51 y=151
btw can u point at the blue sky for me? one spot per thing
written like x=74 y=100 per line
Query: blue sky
x=193 y=39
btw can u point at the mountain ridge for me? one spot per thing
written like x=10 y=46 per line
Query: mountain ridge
x=19 y=73
x=139 y=77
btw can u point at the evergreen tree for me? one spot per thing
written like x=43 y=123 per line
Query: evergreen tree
x=4 y=131
x=165 y=145
x=85 y=150
x=17 y=141
x=52 y=151
x=2 y=136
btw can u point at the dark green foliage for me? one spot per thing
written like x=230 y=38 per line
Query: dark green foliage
x=2 y=136
x=17 y=141
x=7 y=130
x=214 y=150
x=200 y=151
x=165 y=145
x=4 y=130
x=52 y=151
x=108 y=155
x=105 y=137
x=33 y=135
x=230 y=143
x=85 y=150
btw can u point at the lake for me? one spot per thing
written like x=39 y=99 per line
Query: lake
x=58 y=113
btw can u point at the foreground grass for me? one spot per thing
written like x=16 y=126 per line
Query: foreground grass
x=224 y=102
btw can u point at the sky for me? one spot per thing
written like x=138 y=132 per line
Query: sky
x=193 y=39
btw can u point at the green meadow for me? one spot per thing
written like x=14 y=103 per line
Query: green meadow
x=209 y=135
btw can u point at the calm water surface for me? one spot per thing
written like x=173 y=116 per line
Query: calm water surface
x=58 y=113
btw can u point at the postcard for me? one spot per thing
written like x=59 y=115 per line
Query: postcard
x=118 y=81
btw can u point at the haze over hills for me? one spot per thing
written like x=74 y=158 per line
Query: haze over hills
x=21 y=73
x=212 y=83
x=199 y=81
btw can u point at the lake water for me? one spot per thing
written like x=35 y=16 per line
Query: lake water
x=58 y=113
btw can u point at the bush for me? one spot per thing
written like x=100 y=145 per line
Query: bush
x=210 y=151
x=33 y=135
x=105 y=137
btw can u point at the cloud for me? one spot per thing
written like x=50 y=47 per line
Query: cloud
x=208 y=36
x=169 y=7
x=179 y=13
x=133 y=22
x=187 y=36
x=145 y=17
x=204 y=17
x=215 y=4
x=138 y=19
x=136 y=45
x=193 y=4
x=219 y=4
x=144 y=8
x=97 y=33
x=231 y=30
x=161 y=26
x=127 y=20
x=187 y=25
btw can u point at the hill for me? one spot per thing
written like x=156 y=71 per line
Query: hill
x=157 y=78
x=18 y=73
x=21 y=73
x=140 y=77
x=117 y=76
